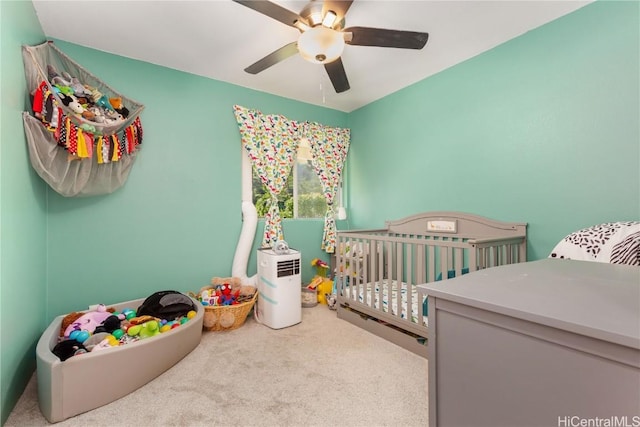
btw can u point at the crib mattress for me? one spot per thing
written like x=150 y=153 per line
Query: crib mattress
x=88 y=381
x=389 y=289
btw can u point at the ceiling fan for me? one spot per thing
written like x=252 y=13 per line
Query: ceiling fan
x=323 y=36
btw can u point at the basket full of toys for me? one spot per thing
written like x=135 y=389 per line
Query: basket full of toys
x=226 y=302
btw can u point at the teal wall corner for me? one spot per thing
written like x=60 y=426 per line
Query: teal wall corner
x=22 y=214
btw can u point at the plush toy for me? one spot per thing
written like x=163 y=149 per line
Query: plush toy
x=68 y=320
x=112 y=116
x=227 y=295
x=144 y=330
x=149 y=329
x=58 y=82
x=95 y=340
x=98 y=116
x=78 y=88
x=139 y=320
x=88 y=128
x=103 y=102
x=98 y=98
x=321 y=266
x=226 y=291
x=74 y=85
x=223 y=286
x=88 y=321
x=235 y=282
x=88 y=115
x=117 y=105
x=51 y=72
x=109 y=325
x=68 y=348
x=72 y=103
x=332 y=301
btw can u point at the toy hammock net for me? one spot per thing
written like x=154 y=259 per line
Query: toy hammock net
x=82 y=134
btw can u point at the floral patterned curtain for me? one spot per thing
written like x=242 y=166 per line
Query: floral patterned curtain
x=329 y=147
x=271 y=141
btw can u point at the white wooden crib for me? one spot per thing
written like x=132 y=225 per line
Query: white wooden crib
x=385 y=265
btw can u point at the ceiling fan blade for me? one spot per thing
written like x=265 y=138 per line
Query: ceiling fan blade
x=339 y=7
x=338 y=77
x=271 y=10
x=273 y=58
x=364 y=36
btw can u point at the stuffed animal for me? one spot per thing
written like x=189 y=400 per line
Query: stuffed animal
x=109 y=325
x=235 y=282
x=112 y=116
x=117 y=105
x=51 y=72
x=228 y=289
x=98 y=116
x=88 y=321
x=68 y=320
x=95 y=340
x=144 y=330
x=72 y=103
x=332 y=301
x=227 y=296
x=88 y=115
x=68 y=348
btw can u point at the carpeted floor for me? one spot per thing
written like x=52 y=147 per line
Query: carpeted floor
x=321 y=372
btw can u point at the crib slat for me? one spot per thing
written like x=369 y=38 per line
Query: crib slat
x=380 y=273
x=444 y=263
x=458 y=261
x=371 y=279
x=473 y=261
x=431 y=262
x=388 y=250
x=408 y=284
x=420 y=273
x=399 y=262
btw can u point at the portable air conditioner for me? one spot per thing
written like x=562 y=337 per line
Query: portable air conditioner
x=279 y=286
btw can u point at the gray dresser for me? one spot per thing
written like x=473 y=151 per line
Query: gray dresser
x=544 y=343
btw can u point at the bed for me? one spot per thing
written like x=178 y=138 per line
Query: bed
x=377 y=270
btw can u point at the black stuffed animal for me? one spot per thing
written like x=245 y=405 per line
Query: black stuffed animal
x=68 y=348
x=109 y=325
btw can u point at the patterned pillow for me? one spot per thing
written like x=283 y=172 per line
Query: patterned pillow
x=612 y=242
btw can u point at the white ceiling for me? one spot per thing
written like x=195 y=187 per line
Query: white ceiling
x=220 y=38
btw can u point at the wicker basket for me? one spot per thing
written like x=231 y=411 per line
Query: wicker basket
x=227 y=317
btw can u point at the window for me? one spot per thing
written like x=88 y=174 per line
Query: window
x=302 y=197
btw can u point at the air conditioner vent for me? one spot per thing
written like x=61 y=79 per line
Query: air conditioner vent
x=288 y=268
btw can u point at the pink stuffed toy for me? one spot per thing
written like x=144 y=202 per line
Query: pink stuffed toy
x=88 y=321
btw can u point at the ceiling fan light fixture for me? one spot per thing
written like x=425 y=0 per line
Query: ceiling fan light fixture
x=329 y=19
x=315 y=17
x=321 y=45
x=302 y=26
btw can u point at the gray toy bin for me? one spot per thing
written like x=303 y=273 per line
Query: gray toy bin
x=88 y=381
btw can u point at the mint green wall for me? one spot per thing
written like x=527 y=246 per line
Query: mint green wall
x=22 y=214
x=177 y=220
x=542 y=129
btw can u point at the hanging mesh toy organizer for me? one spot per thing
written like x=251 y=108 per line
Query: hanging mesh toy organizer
x=83 y=151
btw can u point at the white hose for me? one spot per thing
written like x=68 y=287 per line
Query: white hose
x=245 y=243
